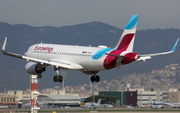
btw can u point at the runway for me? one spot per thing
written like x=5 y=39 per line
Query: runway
x=98 y=110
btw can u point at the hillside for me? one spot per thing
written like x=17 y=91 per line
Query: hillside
x=20 y=37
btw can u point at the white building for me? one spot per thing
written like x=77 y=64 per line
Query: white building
x=143 y=96
x=59 y=100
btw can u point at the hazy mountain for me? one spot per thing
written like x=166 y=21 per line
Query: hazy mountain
x=20 y=37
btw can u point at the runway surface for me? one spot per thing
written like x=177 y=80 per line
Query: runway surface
x=98 y=110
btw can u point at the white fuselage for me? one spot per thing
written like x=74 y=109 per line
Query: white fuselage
x=156 y=106
x=86 y=57
x=176 y=104
x=92 y=105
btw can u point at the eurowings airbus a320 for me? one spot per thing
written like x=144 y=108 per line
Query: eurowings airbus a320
x=89 y=60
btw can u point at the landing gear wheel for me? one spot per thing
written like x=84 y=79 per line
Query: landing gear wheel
x=92 y=79
x=56 y=78
x=97 y=78
x=60 y=78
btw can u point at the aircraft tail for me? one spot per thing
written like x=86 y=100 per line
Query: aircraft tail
x=126 y=41
x=150 y=100
x=168 y=101
x=99 y=101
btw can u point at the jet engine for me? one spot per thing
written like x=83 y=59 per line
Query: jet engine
x=34 y=68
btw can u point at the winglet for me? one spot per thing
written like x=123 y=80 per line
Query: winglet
x=175 y=45
x=8 y=53
x=4 y=45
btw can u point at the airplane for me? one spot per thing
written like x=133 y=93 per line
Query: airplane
x=87 y=59
x=107 y=106
x=93 y=105
x=28 y=105
x=156 y=104
x=176 y=105
x=130 y=106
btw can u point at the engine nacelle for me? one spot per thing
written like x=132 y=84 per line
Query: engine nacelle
x=34 y=68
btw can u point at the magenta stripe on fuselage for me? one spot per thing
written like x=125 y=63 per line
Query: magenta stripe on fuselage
x=110 y=61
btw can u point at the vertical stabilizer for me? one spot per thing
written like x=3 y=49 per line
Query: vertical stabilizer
x=126 y=41
x=150 y=100
x=168 y=101
x=99 y=101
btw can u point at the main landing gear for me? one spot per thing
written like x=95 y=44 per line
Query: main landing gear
x=58 y=77
x=95 y=78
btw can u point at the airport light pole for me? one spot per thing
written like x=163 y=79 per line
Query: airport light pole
x=90 y=83
x=63 y=85
x=91 y=88
x=14 y=68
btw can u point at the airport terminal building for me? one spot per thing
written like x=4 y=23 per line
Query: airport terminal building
x=59 y=100
x=141 y=97
x=19 y=99
x=137 y=97
x=122 y=97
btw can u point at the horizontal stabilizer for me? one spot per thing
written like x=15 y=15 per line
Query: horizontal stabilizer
x=118 y=56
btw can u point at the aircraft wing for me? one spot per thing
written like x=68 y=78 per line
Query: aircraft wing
x=148 y=56
x=8 y=53
x=56 y=62
x=51 y=62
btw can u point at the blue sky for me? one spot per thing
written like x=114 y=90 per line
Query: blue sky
x=152 y=13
